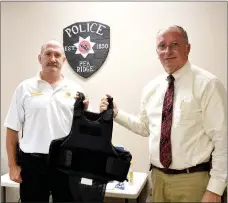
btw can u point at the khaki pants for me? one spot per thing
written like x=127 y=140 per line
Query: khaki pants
x=178 y=188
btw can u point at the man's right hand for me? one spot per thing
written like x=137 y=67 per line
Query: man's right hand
x=15 y=173
x=85 y=102
x=104 y=105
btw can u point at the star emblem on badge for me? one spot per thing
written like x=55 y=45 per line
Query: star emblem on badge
x=84 y=46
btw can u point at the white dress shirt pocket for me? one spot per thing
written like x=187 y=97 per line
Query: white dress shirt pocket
x=188 y=113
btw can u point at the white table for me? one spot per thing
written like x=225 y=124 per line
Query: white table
x=6 y=182
x=131 y=191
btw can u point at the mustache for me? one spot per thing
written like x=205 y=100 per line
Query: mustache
x=52 y=64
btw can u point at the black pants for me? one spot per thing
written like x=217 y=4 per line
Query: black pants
x=39 y=181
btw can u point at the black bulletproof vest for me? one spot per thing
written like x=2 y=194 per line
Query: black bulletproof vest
x=87 y=152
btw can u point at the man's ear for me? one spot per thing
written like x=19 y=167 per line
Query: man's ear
x=39 y=58
x=64 y=58
x=188 y=47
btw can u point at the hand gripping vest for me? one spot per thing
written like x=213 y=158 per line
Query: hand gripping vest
x=87 y=152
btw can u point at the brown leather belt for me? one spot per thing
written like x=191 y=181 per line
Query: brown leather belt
x=200 y=167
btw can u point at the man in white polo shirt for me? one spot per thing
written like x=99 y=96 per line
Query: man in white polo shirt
x=43 y=107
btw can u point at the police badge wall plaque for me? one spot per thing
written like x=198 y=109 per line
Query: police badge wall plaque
x=86 y=46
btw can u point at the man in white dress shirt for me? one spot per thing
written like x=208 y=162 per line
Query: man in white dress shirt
x=43 y=107
x=184 y=113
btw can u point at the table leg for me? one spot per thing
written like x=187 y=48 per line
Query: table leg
x=126 y=200
x=137 y=200
x=4 y=194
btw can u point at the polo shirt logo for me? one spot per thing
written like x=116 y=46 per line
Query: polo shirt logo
x=36 y=93
x=67 y=95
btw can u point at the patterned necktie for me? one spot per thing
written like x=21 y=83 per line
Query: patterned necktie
x=165 y=140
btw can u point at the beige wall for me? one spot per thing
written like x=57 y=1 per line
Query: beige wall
x=132 y=59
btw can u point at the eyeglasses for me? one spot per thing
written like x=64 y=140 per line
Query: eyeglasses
x=163 y=47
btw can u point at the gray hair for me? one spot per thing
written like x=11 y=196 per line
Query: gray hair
x=181 y=29
x=52 y=42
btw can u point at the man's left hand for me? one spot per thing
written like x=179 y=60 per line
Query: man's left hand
x=211 y=197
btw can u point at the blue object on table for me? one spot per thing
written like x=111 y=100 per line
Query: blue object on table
x=120 y=186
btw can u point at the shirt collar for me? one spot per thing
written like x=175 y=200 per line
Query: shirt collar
x=61 y=84
x=179 y=73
